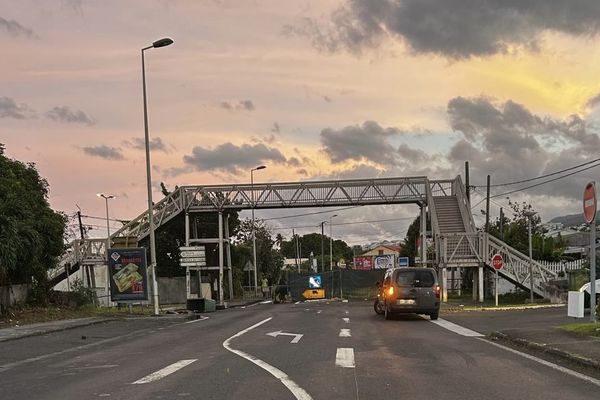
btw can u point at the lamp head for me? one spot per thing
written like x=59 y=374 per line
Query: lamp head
x=162 y=42
x=260 y=167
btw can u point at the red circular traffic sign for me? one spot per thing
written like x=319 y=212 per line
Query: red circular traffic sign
x=497 y=262
x=589 y=202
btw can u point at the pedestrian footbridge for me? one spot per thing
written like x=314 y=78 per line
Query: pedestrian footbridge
x=457 y=243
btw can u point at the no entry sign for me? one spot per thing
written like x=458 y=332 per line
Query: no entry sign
x=589 y=202
x=497 y=262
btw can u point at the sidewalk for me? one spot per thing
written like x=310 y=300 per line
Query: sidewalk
x=170 y=311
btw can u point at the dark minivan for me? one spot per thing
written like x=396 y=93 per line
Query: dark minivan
x=410 y=290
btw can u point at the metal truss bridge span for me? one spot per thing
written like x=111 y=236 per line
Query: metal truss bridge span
x=352 y=192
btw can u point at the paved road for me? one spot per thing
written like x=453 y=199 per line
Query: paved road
x=409 y=357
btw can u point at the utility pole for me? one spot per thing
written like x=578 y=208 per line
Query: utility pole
x=81 y=231
x=501 y=224
x=467 y=186
x=322 y=248
x=487 y=207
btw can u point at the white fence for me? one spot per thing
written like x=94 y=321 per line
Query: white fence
x=558 y=266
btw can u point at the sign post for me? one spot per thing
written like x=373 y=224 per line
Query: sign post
x=589 y=214
x=498 y=264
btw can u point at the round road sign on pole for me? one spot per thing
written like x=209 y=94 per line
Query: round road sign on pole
x=497 y=262
x=589 y=202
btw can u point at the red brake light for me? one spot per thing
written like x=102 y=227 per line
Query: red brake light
x=390 y=291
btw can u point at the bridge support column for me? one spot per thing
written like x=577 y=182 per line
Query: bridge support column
x=475 y=280
x=188 y=283
x=480 y=284
x=444 y=284
x=221 y=260
x=423 y=235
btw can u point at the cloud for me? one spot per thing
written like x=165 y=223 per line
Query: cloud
x=241 y=105
x=156 y=144
x=368 y=141
x=10 y=109
x=106 y=152
x=65 y=114
x=455 y=29
x=14 y=29
x=509 y=142
x=231 y=158
x=593 y=101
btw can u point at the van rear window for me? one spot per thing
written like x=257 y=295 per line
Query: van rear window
x=415 y=278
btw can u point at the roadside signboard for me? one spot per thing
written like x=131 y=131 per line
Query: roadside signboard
x=403 y=261
x=192 y=256
x=384 y=261
x=128 y=277
x=314 y=282
x=363 y=262
x=589 y=202
x=497 y=262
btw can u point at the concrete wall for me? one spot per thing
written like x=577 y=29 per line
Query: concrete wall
x=11 y=295
x=172 y=290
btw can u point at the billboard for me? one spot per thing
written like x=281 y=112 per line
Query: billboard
x=363 y=262
x=127 y=271
x=314 y=282
x=384 y=261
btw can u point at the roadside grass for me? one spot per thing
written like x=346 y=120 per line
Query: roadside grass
x=26 y=315
x=584 y=329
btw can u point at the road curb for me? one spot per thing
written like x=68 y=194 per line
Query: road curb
x=544 y=349
x=56 y=329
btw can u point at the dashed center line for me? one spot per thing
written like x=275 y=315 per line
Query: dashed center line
x=345 y=357
x=346 y=320
x=168 y=370
x=345 y=333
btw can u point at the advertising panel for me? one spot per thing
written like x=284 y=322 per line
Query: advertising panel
x=128 y=277
x=363 y=262
x=384 y=261
x=314 y=282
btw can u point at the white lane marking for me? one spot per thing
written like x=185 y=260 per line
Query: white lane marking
x=345 y=357
x=546 y=363
x=345 y=333
x=344 y=301
x=161 y=373
x=319 y=312
x=298 y=302
x=296 y=339
x=346 y=320
x=202 y=318
x=266 y=302
x=292 y=386
x=347 y=312
x=252 y=305
x=456 y=328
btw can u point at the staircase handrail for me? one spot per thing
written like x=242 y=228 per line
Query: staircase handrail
x=458 y=189
x=498 y=245
x=435 y=229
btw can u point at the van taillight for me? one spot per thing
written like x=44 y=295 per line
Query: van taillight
x=437 y=291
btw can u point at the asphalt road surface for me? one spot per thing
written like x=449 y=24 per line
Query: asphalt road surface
x=256 y=353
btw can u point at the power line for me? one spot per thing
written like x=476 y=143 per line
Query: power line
x=546 y=175
x=344 y=223
x=542 y=183
x=313 y=213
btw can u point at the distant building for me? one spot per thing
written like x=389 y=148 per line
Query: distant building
x=383 y=250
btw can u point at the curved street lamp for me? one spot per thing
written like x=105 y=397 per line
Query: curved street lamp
x=253 y=235
x=159 y=43
x=107 y=197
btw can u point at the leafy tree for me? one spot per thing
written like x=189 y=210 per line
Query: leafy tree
x=269 y=260
x=409 y=246
x=31 y=233
x=312 y=243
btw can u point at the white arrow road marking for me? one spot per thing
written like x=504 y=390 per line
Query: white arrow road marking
x=345 y=357
x=456 y=328
x=345 y=333
x=296 y=339
x=346 y=320
x=164 y=372
x=292 y=386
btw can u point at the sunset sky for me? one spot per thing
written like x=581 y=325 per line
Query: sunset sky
x=325 y=89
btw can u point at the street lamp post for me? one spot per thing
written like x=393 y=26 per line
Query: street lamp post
x=107 y=197
x=159 y=43
x=253 y=234
x=529 y=215
x=322 y=247
x=331 y=250
x=331 y=241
